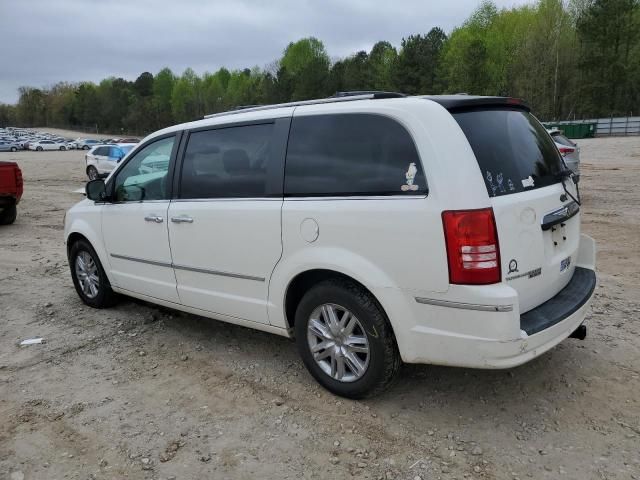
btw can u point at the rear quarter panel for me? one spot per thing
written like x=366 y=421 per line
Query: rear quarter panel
x=389 y=244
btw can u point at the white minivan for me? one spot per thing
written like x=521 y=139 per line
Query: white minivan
x=373 y=228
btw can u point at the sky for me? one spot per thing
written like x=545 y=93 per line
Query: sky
x=43 y=42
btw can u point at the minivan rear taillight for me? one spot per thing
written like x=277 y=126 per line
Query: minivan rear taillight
x=473 y=252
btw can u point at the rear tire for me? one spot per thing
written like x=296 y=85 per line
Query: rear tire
x=92 y=173
x=14 y=149
x=63 y=148
x=86 y=147
x=8 y=215
x=88 y=276
x=375 y=357
x=39 y=149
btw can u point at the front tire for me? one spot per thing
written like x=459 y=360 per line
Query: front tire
x=39 y=149
x=86 y=147
x=63 y=148
x=345 y=339
x=89 y=277
x=8 y=215
x=14 y=149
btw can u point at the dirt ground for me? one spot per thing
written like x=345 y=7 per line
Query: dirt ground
x=140 y=392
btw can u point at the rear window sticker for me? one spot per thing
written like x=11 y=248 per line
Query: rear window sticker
x=500 y=180
x=489 y=178
x=528 y=182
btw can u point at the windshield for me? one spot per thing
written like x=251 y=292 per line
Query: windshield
x=514 y=151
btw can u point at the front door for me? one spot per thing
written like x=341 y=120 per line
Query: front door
x=134 y=225
x=224 y=227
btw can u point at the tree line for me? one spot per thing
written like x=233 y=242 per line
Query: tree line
x=566 y=58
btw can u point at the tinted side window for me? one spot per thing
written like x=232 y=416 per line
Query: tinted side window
x=227 y=162
x=100 y=151
x=351 y=154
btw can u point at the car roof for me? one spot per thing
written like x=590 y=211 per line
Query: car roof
x=251 y=113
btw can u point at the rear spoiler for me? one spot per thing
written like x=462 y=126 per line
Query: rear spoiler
x=464 y=102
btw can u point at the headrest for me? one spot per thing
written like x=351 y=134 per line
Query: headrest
x=235 y=161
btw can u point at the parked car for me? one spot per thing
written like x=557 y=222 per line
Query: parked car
x=568 y=149
x=41 y=145
x=86 y=143
x=101 y=160
x=11 y=188
x=9 y=146
x=375 y=229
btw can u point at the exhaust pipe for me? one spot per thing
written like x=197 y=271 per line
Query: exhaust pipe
x=580 y=333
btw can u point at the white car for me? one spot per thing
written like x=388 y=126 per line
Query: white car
x=101 y=160
x=40 y=145
x=85 y=143
x=375 y=229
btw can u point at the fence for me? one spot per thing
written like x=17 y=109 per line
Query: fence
x=612 y=126
x=94 y=129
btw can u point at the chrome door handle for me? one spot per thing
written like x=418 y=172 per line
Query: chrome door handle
x=153 y=218
x=182 y=219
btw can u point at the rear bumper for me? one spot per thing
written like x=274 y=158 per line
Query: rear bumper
x=499 y=339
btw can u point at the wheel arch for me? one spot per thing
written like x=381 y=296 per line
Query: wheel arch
x=305 y=280
x=78 y=233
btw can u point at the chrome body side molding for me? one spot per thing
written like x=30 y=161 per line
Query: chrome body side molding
x=190 y=269
x=465 y=306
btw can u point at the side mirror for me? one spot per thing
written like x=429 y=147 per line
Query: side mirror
x=96 y=190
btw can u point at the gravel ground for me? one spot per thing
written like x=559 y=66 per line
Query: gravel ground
x=141 y=392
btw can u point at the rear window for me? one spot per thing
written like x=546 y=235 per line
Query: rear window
x=514 y=151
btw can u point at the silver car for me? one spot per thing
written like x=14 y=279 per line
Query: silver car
x=9 y=146
x=569 y=150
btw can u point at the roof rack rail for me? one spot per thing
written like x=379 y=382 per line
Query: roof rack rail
x=338 y=97
x=375 y=94
x=244 y=107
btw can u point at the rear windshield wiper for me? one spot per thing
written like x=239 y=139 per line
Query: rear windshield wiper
x=562 y=176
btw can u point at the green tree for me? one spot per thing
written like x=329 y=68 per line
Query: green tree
x=417 y=66
x=609 y=34
x=143 y=85
x=163 y=84
x=304 y=69
x=382 y=59
x=187 y=99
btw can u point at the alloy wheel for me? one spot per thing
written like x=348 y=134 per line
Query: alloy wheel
x=87 y=274
x=338 y=342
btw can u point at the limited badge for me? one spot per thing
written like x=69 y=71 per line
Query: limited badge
x=410 y=176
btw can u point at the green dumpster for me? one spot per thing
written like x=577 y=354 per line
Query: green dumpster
x=575 y=130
